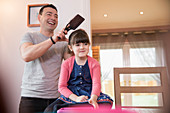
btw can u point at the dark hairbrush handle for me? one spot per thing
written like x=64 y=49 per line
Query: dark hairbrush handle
x=67 y=28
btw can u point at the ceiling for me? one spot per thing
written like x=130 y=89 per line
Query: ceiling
x=125 y=13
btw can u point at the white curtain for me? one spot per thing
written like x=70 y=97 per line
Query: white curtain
x=132 y=50
x=120 y=51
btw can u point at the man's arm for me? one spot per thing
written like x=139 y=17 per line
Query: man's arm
x=31 y=52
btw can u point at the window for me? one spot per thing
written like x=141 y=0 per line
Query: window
x=143 y=55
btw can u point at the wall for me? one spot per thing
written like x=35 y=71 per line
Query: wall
x=13 y=24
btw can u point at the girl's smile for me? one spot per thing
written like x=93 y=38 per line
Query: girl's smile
x=80 y=49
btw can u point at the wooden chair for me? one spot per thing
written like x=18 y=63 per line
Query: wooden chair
x=163 y=88
x=96 y=52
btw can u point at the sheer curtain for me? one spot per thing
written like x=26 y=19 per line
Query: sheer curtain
x=110 y=51
x=142 y=49
x=146 y=48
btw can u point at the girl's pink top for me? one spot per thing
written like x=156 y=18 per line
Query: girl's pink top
x=66 y=69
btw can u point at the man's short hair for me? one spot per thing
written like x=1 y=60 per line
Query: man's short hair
x=45 y=6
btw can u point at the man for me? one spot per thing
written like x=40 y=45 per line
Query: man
x=43 y=55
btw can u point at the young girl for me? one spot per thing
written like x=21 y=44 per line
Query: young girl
x=79 y=81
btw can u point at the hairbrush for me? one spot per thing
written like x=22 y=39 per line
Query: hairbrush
x=73 y=24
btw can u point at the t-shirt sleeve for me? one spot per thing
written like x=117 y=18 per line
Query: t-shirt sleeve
x=26 y=38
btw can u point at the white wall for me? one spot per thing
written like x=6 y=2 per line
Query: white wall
x=13 y=24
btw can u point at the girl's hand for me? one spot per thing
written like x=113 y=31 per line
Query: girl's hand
x=82 y=98
x=94 y=103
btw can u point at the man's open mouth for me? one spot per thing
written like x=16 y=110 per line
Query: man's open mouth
x=51 y=23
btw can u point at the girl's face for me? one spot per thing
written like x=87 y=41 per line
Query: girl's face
x=80 y=49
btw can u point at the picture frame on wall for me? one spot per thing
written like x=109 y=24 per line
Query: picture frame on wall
x=32 y=15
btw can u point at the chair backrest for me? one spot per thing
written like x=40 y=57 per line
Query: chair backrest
x=96 y=52
x=163 y=88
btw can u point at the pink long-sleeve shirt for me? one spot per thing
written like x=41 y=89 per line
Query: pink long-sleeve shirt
x=66 y=69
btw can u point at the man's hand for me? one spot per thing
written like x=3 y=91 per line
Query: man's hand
x=60 y=36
